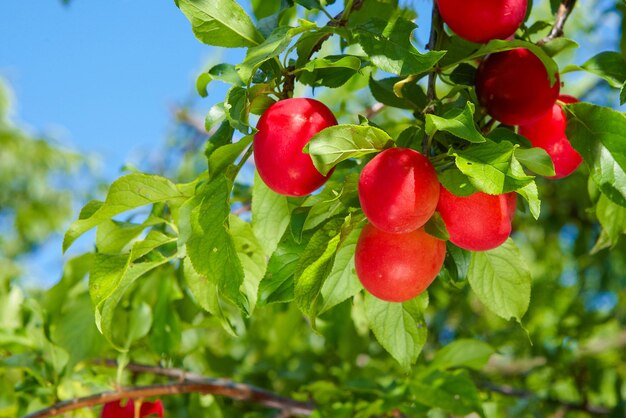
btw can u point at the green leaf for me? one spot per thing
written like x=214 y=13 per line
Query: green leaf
x=389 y=48
x=399 y=327
x=536 y=160
x=206 y=295
x=413 y=96
x=223 y=72
x=250 y=253
x=220 y=23
x=221 y=137
x=335 y=199
x=437 y=227
x=612 y=217
x=113 y=236
x=501 y=280
x=271 y=48
x=341 y=142
x=330 y=71
x=210 y=246
x=270 y=215
x=315 y=265
x=265 y=8
x=458 y=122
x=491 y=167
x=611 y=66
x=226 y=155
x=472 y=354
x=166 y=336
x=236 y=109
x=126 y=193
x=277 y=285
x=451 y=391
x=622 y=95
x=464 y=74
x=342 y=283
x=456 y=182
x=599 y=135
x=558 y=45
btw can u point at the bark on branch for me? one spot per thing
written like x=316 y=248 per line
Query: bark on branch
x=187 y=383
x=565 y=9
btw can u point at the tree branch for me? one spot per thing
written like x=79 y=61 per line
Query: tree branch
x=436 y=28
x=187 y=383
x=565 y=9
x=519 y=393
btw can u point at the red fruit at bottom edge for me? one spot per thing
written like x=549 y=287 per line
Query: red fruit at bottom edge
x=514 y=87
x=549 y=133
x=147 y=409
x=477 y=222
x=397 y=267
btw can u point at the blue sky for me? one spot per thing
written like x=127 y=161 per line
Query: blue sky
x=101 y=77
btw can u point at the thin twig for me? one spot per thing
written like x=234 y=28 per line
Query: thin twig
x=192 y=384
x=436 y=27
x=520 y=393
x=373 y=110
x=565 y=9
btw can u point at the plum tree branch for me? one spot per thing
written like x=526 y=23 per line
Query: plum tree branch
x=565 y=9
x=519 y=393
x=186 y=383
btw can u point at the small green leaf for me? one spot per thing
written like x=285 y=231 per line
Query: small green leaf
x=451 y=391
x=226 y=155
x=341 y=142
x=436 y=227
x=220 y=23
x=278 y=283
x=206 y=295
x=331 y=71
x=536 y=160
x=472 y=354
x=236 y=109
x=491 y=167
x=413 y=96
x=210 y=246
x=464 y=74
x=558 y=45
x=221 y=137
x=223 y=72
x=250 y=255
x=458 y=122
x=389 y=48
x=599 y=135
x=126 y=193
x=611 y=66
x=456 y=182
x=622 y=95
x=335 y=199
x=342 y=282
x=501 y=280
x=270 y=215
x=315 y=264
x=399 y=327
x=612 y=217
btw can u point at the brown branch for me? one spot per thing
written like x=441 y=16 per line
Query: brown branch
x=520 y=393
x=565 y=9
x=187 y=383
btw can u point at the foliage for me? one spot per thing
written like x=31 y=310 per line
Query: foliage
x=220 y=276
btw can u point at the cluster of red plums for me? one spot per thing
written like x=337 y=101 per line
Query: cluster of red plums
x=396 y=259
